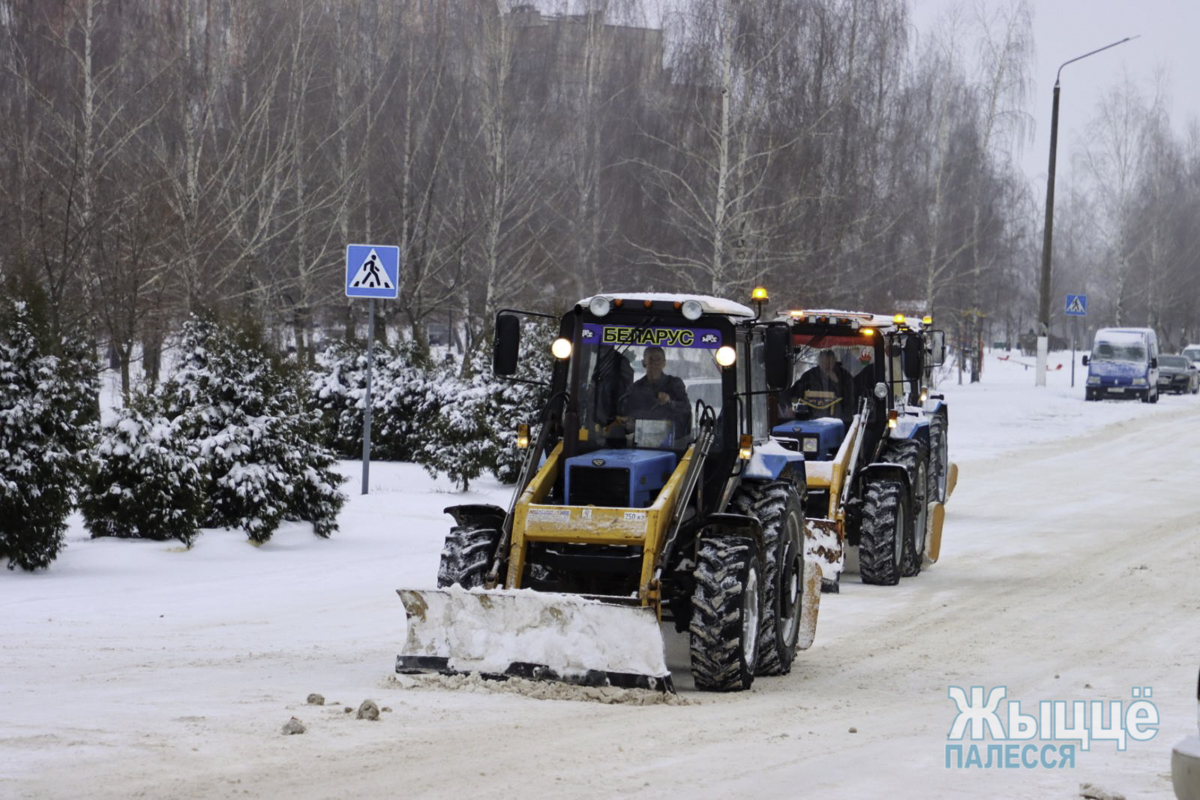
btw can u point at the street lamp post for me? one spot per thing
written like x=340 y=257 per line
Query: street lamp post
x=1043 y=340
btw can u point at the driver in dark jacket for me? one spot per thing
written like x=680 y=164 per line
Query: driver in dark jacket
x=657 y=395
x=826 y=390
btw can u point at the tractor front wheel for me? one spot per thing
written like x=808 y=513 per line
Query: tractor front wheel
x=726 y=614
x=884 y=530
x=466 y=556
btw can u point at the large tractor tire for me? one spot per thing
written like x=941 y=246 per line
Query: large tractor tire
x=939 y=461
x=778 y=509
x=726 y=614
x=914 y=457
x=466 y=556
x=884 y=529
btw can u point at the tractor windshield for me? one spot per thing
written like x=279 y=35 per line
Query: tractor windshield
x=834 y=373
x=639 y=385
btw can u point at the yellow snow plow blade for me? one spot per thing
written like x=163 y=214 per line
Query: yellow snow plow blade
x=951 y=480
x=502 y=633
x=933 y=547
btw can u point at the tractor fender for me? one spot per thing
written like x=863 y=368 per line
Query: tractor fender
x=719 y=525
x=889 y=471
x=912 y=427
x=935 y=404
x=771 y=460
x=477 y=515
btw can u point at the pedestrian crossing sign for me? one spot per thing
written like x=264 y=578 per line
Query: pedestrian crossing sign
x=1076 y=305
x=372 y=270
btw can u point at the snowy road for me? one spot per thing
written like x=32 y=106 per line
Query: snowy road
x=1070 y=571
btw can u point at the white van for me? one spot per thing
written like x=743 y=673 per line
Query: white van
x=1123 y=363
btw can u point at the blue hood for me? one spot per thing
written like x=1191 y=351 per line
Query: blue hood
x=1117 y=369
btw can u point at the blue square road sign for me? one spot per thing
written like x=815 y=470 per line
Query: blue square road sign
x=372 y=270
x=1076 y=305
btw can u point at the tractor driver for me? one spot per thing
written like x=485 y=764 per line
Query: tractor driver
x=657 y=395
x=826 y=390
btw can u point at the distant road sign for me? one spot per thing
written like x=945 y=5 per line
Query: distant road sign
x=372 y=270
x=1076 y=305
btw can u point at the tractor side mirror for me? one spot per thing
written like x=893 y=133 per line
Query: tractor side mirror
x=779 y=356
x=914 y=351
x=1085 y=360
x=937 y=348
x=507 y=345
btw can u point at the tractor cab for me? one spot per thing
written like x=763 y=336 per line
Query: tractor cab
x=839 y=366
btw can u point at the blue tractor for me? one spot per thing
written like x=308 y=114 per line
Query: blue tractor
x=651 y=491
x=867 y=453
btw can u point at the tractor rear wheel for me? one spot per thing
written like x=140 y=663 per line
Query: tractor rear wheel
x=726 y=614
x=467 y=556
x=884 y=531
x=939 y=462
x=778 y=509
x=913 y=456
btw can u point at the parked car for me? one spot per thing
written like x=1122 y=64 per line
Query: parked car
x=1192 y=352
x=1185 y=761
x=1177 y=375
x=1123 y=363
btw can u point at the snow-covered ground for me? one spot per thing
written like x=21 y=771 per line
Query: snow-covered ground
x=1070 y=571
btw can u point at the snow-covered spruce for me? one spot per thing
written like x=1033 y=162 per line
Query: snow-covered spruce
x=48 y=407
x=145 y=483
x=461 y=441
x=400 y=411
x=257 y=443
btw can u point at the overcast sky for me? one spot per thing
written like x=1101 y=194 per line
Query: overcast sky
x=1064 y=29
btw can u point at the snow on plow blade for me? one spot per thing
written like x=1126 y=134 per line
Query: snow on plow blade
x=535 y=635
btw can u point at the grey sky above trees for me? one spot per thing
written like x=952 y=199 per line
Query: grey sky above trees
x=1166 y=57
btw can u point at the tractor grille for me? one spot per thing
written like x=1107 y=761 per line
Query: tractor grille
x=599 y=486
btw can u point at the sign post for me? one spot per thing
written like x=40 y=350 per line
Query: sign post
x=1075 y=307
x=372 y=270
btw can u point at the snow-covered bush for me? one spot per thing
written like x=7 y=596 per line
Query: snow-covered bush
x=48 y=405
x=253 y=432
x=400 y=412
x=145 y=483
x=461 y=440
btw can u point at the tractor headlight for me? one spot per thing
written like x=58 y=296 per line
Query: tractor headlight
x=561 y=349
x=692 y=309
x=881 y=390
x=1139 y=381
x=810 y=444
x=523 y=436
x=599 y=306
x=726 y=356
x=1093 y=380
